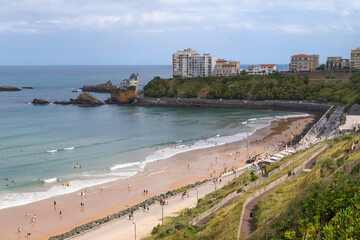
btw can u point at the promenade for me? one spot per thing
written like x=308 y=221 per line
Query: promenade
x=124 y=228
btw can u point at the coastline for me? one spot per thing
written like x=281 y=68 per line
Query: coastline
x=116 y=196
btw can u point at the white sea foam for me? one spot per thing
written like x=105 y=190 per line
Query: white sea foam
x=21 y=198
x=69 y=148
x=256 y=124
x=119 y=166
x=50 y=180
x=51 y=151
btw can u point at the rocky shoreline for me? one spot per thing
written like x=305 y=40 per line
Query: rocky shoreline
x=84 y=99
x=100 y=88
x=9 y=88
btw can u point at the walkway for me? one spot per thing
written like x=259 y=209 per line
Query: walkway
x=124 y=228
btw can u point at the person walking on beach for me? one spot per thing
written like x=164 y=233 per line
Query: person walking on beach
x=19 y=230
x=60 y=212
x=54 y=203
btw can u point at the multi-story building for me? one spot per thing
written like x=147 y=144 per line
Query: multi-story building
x=304 y=63
x=336 y=63
x=261 y=69
x=189 y=63
x=355 y=59
x=227 y=68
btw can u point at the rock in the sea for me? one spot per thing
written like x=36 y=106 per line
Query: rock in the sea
x=9 y=88
x=27 y=88
x=118 y=97
x=104 y=88
x=84 y=99
x=39 y=101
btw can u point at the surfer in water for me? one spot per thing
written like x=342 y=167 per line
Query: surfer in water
x=77 y=165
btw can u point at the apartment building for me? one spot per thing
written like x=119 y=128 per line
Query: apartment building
x=355 y=59
x=261 y=69
x=336 y=63
x=227 y=68
x=189 y=63
x=304 y=63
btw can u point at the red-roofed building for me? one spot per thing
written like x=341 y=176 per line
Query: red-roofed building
x=304 y=63
x=227 y=68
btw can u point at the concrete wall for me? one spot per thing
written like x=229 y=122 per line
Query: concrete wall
x=294 y=106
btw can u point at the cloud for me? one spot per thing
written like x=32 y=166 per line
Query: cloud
x=288 y=16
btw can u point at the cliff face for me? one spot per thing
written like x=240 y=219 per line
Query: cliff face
x=9 y=88
x=126 y=97
x=104 y=88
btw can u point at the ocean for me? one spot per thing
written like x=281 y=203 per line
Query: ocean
x=43 y=147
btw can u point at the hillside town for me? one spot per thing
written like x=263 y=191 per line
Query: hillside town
x=188 y=63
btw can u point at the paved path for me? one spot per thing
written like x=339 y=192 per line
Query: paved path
x=124 y=228
x=248 y=225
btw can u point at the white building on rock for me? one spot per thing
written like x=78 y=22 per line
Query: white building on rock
x=189 y=63
x=133 y=81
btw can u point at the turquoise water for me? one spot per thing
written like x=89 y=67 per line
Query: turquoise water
x=40 y=145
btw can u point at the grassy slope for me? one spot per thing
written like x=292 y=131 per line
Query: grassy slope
x=224 y=223
x=288 y=199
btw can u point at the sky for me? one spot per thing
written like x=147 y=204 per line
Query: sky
x=147 y=32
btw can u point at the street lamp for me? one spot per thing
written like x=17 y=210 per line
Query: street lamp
x=162 y=214
x=135 y=229
x=197 y=195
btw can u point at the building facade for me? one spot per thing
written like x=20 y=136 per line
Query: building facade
x=133 y=81
x=355 y=59
x=189 y=63
x=304 y=63
x=336 y=63
x=227 y=68
x=261 y=69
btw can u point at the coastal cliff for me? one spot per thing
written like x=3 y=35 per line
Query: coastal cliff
x=102 y=88
x=122 y=97
x=9 y=88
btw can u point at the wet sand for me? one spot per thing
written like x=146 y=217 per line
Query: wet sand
x=157 y=177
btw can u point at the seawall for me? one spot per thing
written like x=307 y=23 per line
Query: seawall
x=292 y=106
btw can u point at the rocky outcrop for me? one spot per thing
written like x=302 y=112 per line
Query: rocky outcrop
x=121 y=97
x=84 y=99
x=39 y=101
x=103 y=88
x=9 y=88
x=27 y=88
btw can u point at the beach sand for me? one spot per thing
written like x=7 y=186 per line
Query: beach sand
x=157 y=177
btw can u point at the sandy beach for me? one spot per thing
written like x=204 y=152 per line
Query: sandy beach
x=157 y=177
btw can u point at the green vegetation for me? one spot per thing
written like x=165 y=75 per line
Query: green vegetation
x=323 y=204
x=265 y=87
x=224 y=223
